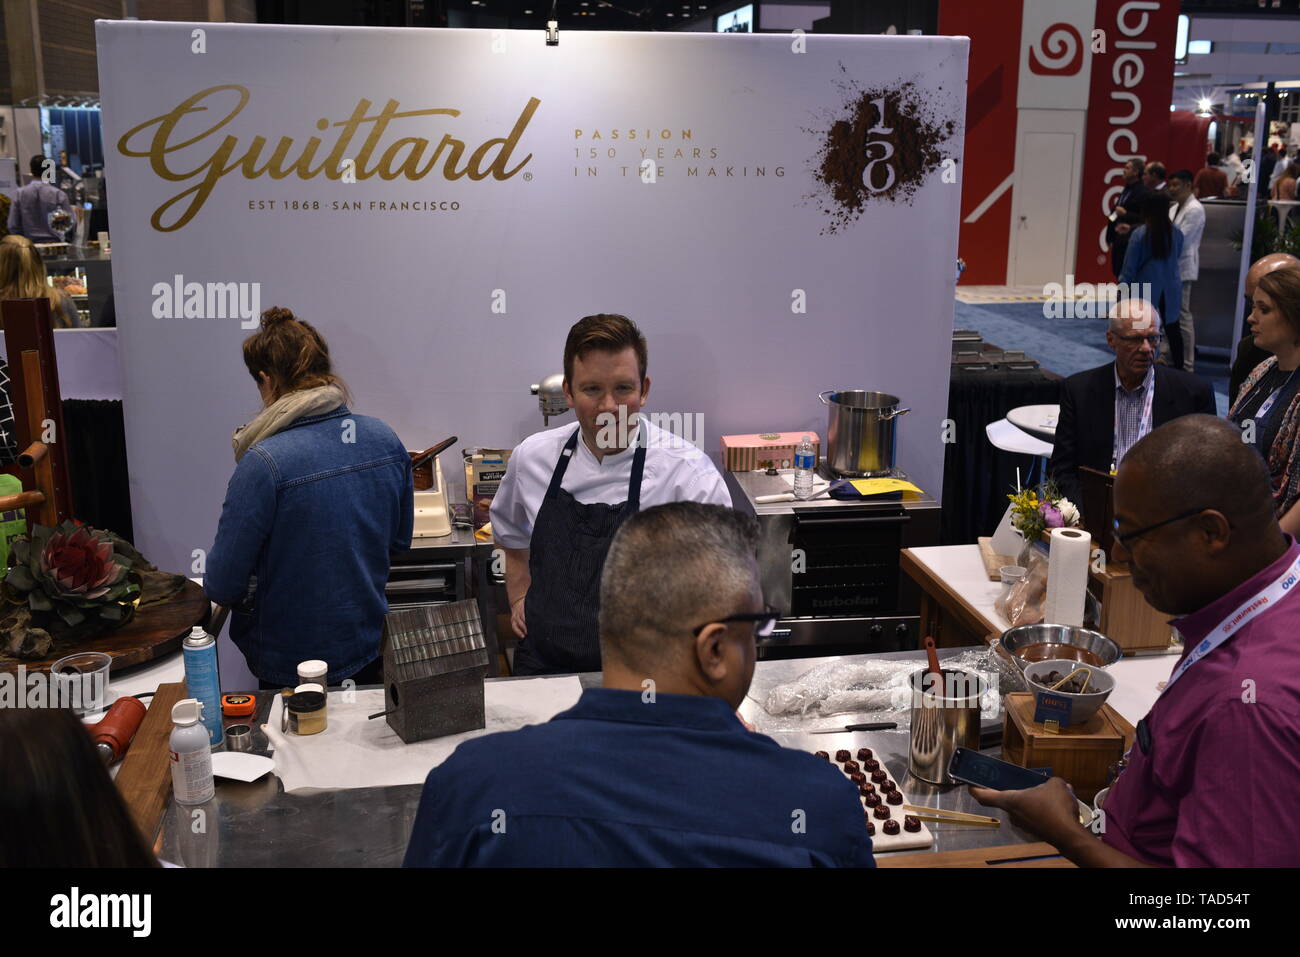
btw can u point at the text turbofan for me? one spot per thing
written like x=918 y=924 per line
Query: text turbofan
x=402 y=158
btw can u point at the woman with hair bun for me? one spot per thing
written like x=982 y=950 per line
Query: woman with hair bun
x=319 y=500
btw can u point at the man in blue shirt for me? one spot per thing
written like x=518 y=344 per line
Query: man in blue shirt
x=654 y=768
x=30 y=214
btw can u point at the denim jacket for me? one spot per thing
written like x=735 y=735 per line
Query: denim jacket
x=311 y=516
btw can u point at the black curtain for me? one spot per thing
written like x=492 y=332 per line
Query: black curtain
x=96 y=450
x=976 y=476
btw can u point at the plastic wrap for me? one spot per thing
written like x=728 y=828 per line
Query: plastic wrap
x=878 y=688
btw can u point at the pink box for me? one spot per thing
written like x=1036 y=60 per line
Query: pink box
x=743 y=453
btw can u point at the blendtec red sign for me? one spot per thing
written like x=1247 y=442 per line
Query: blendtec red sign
x=1128 y=114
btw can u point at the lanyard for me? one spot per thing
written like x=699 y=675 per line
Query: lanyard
x=1262 y=414
x=1244 y=613
x=1144 y=423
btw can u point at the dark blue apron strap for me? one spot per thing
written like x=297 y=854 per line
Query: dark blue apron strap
x=634 y=486
x=557 y=477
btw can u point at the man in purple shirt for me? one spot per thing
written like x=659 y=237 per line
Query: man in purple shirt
x=30 y=214
x=1213 y=777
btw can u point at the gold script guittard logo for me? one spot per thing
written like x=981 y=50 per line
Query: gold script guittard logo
x=403 y=158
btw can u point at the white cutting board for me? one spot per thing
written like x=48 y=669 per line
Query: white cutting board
x=880 y=841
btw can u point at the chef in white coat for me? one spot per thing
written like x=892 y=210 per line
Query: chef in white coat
x=567 y=490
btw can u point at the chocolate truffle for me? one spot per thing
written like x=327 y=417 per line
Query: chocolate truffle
x=851 y=766
x=871 y=764
x=871 y=829
x=894 y=797
x=842 y=755
x=881 y=811
x=891 y=827
x=864 y=754
x=888 y=786
x=871 y=800
x=823 y=755
x=879 y=776
x=858 y=778
x=911 y=822
x=866 y=787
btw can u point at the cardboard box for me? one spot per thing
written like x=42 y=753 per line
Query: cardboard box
x=744 y=453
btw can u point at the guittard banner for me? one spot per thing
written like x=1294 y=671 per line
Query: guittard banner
x=778 y=214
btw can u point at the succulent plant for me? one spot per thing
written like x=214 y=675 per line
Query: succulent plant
x=72 y=571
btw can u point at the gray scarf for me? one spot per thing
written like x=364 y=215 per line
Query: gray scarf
x=283 y=412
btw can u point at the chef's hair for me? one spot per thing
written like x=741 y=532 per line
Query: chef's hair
x=1156 y=169
x=291 y=352
x=1199 y=461
x=605 y=332
x=669 y=569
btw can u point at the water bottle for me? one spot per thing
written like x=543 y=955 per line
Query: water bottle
x=202 y=679
x=191 y=755
x=804 y=462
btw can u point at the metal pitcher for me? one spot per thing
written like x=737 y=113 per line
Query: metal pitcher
x=945 y=717
x=860 y=432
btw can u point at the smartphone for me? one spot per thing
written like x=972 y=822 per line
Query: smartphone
x=971 y=767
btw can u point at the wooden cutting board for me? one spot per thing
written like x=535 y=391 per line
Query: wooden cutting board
x=1038 y=854
x=144 y=779
x=154 y=631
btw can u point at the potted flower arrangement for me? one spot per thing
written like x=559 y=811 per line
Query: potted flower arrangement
x=1034 y=511
x=69 y=582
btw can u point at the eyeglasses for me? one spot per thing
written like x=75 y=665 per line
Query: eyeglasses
x=764 y=622
x=1154 y=340
x=1129 y=537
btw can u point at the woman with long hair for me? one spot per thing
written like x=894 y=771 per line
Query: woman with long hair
x=1152 y=261
x=1268 y=404
x=58 y=805
x=22 y=276
x=320 y=499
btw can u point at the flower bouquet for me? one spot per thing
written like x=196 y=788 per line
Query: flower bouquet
x=1036 y=510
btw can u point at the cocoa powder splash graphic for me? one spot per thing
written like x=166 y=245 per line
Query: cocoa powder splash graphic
x=903 y=157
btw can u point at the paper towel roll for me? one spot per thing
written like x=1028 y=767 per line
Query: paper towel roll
x=1067 y=576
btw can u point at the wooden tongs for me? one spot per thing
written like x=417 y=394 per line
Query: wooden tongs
x=1087 y=676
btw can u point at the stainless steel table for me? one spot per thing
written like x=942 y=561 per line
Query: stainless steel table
x=258 y=825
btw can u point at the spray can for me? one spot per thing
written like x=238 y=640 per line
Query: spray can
x=202 y=679
x=191 y=755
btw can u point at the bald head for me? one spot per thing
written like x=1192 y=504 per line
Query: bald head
x=1195 y=513
x=1134 y=315
x=1265 y=265
x=1200 y=461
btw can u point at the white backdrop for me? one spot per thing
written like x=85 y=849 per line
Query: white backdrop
x=707 y=265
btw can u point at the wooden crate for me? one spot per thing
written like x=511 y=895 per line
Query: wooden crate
x=1126 y=617
x=1082 y=754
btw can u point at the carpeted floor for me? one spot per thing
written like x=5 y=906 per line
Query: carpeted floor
x=1065 y=346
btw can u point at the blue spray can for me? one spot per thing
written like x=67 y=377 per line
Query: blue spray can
x=202 y=679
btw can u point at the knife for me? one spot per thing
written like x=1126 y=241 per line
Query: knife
x=881 y=726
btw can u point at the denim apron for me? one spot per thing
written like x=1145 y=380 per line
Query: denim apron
x=565 y=557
